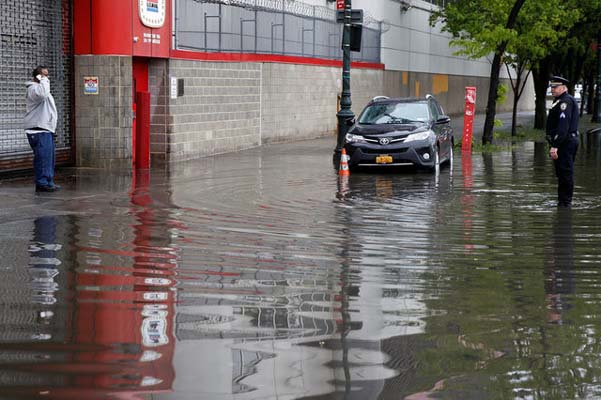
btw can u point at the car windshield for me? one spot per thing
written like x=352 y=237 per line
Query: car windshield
x=395 y=113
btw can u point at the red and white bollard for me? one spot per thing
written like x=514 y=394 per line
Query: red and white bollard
x=468 y=118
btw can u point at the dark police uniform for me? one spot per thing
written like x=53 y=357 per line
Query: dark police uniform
x=562 y=133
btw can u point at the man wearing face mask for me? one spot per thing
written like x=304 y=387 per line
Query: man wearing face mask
x=40 y=124
x=562 y=135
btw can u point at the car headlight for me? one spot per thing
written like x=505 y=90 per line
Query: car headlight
x=350 y=138
x=418 y=136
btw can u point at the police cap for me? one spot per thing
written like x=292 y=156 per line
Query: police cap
x=557 y=81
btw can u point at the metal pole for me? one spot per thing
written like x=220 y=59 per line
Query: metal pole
x=283 y=28
x=220 y=14
x=597 y=111
x=314 y=16
x=345 y=114
x=206 y=31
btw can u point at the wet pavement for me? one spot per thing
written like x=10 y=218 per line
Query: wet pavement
x=262 y=275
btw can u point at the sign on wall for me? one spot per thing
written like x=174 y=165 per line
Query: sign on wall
x=173 y=87
x=152 y=12
x=90 y=84
x=151 y=28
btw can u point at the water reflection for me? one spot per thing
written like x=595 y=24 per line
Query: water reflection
x=559 y=274
x=104 y=311
x=244 y=276
x=43 y=264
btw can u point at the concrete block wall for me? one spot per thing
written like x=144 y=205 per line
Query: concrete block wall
x=228 y=107
x=300 y=101
x=365 y=85
x=103 y=121
x=219 y=111
x=450 y=90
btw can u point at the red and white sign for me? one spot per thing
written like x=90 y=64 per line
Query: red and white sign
x=90 y=84
x=340 y=4
x=152 y=30
x=152 y=12
x=468 y=118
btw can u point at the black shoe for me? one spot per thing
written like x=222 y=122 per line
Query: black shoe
x=47 y=188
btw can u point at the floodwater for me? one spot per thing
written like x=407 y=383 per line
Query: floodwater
x=262 y=275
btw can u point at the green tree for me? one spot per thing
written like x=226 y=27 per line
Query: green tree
x=479 y=28
x=517 y=32
x=571 y=55
x=537 y=30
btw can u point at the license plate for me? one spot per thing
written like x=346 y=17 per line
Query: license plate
x=383 y=159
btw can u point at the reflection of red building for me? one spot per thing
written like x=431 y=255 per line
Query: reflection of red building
x=112 y=336
x=131 y=314
x=124 y=314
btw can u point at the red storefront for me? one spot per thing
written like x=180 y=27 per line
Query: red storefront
x=184 y=103
x=140 y=29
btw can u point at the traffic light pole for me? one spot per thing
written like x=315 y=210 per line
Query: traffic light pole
x=345 y=114
x=597 y=110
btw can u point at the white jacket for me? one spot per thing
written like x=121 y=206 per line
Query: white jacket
x=41 y=109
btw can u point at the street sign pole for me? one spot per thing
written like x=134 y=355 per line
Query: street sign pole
x=345 y=114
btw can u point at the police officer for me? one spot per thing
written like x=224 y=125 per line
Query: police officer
x=562 y=135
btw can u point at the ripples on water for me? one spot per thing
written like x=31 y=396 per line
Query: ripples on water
x=261 y=275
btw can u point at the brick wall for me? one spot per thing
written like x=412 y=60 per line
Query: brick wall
x=227 y=107
x=219 y=111
x=103 y=122
x=300 y=101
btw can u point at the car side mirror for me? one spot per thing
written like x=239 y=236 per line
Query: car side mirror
x=443 y=119
x=350 y=122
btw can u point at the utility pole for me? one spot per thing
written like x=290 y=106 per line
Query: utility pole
x=345 y=113
x=597 y=110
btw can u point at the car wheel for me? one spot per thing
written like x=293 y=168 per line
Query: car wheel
x=451 y=156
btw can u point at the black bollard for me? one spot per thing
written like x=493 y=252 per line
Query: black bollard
x=593 y=138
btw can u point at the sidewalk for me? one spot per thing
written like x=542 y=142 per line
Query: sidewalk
x=525 y=119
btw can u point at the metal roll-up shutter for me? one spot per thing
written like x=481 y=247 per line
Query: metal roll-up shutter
x=33 y=32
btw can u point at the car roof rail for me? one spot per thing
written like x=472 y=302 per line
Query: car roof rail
x=380 y=98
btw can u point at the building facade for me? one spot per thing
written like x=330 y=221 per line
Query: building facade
x=160 y=81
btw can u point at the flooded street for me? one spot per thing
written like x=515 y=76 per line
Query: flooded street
x=262 y=275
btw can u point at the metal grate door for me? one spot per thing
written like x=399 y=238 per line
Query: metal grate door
x=33 y=32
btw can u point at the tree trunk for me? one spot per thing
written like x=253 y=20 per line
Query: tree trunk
x=591 y=93
x=517 y=88
x=491 y=105
x=514 y=116
x=583 y=97
x=540 y=74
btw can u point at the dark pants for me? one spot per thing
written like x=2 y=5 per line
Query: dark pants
x=42 y=144
x=564 y=170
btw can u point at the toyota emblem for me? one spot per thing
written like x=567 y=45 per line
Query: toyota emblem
x=384 y=141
